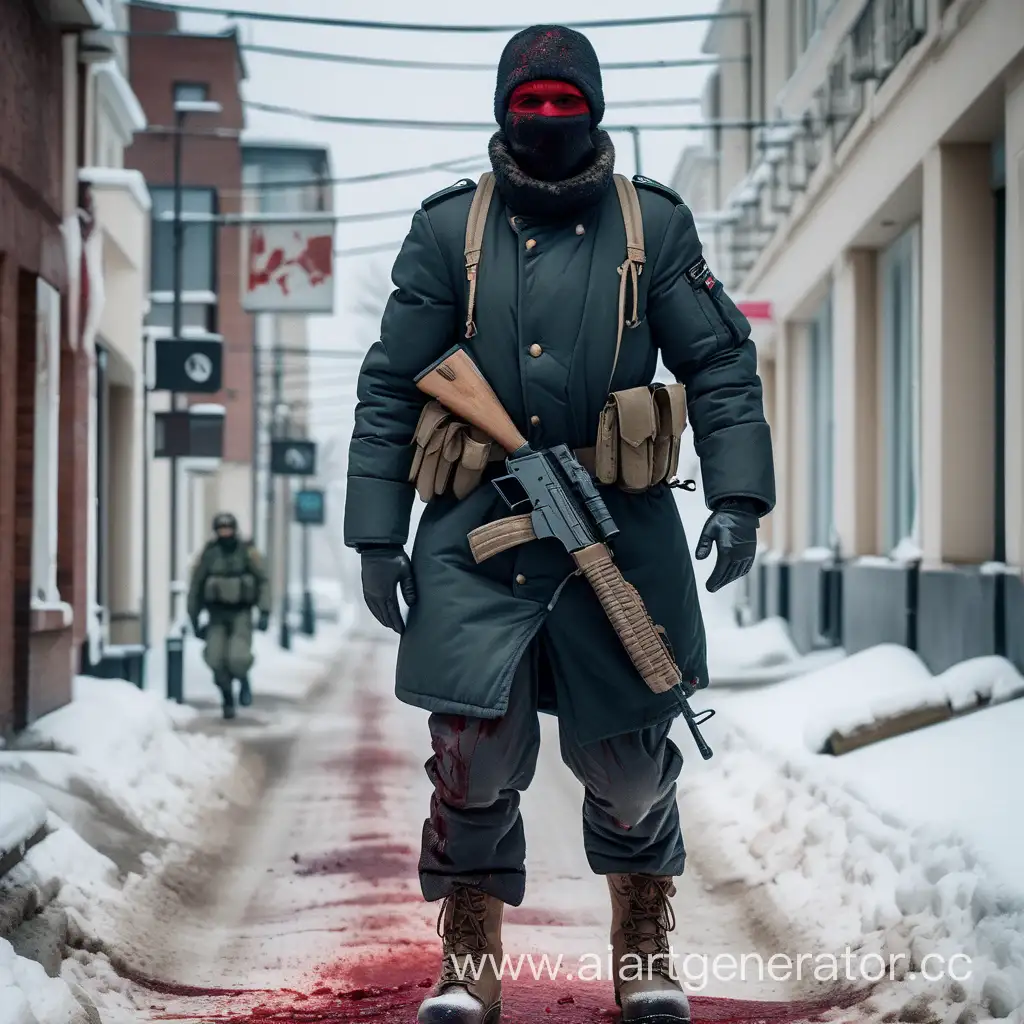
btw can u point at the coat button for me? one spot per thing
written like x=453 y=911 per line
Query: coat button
x=535 y=350
x=580 y=229
x=521 y=579
x=535 y=420
x=531 y=242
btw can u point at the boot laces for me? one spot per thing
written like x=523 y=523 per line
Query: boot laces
x=649 y=920
x=460 y=926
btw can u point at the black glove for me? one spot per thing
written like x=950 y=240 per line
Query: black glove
x=264 y=622
x=385 y=569
x=200 y=631
x=733 y=528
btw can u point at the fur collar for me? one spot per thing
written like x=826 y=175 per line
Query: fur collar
x=552 y=200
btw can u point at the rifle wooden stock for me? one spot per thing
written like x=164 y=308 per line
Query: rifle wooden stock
x=629 y=618
x=456 y=382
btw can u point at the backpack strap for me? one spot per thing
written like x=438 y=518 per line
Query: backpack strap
x=633 y=266
x=475 y=241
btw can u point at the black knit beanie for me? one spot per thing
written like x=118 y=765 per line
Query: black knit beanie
x=549 y=51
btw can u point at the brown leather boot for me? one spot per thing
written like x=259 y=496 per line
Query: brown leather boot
x=470 y=928
x=642 y=918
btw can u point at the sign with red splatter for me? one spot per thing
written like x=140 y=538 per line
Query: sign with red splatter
x=288 y=268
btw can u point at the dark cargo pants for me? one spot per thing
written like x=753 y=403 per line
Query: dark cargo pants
x=474 y=835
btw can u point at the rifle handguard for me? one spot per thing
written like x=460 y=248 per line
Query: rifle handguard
x=629 y=618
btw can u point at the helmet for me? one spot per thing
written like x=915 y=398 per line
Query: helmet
x=225 y=521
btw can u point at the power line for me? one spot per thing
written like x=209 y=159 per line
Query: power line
x=480 y=126
x=300 y=53
x=367 y=250
x=412 y=26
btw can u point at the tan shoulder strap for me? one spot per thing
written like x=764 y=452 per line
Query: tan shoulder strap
x=475 y=226
x=633 y=266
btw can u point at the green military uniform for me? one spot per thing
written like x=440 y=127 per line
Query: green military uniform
x=228 y=583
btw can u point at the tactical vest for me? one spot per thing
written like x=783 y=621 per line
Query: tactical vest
x=638 y=434
x=230 y=581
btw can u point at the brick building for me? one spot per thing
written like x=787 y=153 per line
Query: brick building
x=44 y=370
x=165 y=68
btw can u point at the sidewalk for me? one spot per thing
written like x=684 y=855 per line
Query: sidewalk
x=132 y=789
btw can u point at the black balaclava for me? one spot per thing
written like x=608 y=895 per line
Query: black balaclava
x=226 y=521
x=550 y=148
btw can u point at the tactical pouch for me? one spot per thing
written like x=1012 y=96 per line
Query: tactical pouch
x=670 y=412
x=625 y=445
x=638 y=436
x=450 y=456
x=231 y=591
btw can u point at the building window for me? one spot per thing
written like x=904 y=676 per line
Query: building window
x=199 y=239
x=901 y=362
x=191 y=92
x=47 y=427
x=822 y=420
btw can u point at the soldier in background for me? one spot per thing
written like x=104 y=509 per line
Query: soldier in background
x=228 y=581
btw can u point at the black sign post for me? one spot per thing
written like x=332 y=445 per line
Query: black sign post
x=189 y=366
x=308 y=510
x=293 y=458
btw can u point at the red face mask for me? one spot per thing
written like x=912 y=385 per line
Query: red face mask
x=548 y=98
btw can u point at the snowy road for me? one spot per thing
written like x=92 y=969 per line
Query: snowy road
x=317 y=915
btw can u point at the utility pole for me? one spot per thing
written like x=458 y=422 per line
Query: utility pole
x=286 y=554
x=176 y=630
x=308 y=614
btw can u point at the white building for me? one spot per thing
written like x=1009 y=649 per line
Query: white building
x=881 y=216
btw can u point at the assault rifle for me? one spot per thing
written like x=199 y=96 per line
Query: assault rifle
x=551 y=495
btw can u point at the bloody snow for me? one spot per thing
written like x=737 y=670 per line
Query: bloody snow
x=284 y=888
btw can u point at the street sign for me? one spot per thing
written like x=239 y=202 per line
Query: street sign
x=188 y=365
x=293 y=458
x=186 y=434
x=309 y=508
x=288 y=267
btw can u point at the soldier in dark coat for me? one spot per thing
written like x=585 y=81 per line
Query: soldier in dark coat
x=487 y=646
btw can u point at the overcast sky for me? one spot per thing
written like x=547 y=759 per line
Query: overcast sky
x=448 y=95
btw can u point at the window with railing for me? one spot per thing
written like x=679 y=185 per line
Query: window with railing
x=883 y=35
x=846 y=95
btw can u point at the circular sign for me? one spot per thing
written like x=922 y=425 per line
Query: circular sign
x=199 y=367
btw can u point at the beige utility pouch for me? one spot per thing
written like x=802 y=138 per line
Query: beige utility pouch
x=625 y=445
x=473 y=459
x=429 y=440
x=670 y=412
x=450 y=456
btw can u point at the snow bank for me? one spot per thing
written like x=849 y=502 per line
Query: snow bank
x=907 y=847
x=22 y=815
x=801 y=714
x=118 y=751
x=961 y=776
x=830 y=871
x=28 y=996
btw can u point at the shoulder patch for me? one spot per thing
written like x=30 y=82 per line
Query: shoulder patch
x=462 y=185
x=656 y=186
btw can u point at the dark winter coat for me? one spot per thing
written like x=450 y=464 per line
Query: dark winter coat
x=471 y=624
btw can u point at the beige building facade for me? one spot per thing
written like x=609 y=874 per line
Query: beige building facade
x=879 y=208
